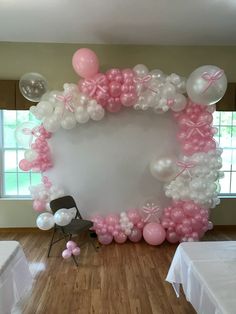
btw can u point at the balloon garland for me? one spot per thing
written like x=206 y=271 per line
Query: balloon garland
x=190 y=180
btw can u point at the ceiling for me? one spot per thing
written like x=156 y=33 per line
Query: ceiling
x=170 y=22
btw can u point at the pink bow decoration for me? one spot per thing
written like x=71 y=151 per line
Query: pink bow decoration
x=95 y=84
x=47 y=183
x=142 y=80
x=211 y=78
x=194 y=128
x=151 y=210
x=66 y=99
x=35 y=131
x=185 y=167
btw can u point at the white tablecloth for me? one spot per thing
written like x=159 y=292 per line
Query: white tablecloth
x=15 y=277
x=207 y=272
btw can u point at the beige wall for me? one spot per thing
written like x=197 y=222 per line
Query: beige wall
x=54 y=61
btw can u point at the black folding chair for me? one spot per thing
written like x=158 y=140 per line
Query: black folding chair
x=77 y=225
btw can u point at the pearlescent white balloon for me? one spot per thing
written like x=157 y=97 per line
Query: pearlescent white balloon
x=44 y=108
x=68 y=122
x=51 y=124
x=164 y=169
x=206 y=85
x=30 y=154
x=141 y=70
x=179 y=103
x=45 y=221
x=62 y=217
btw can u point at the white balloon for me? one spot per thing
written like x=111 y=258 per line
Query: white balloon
x=44 y=108
x=51 y=124
x=45 y=221
x=206 y=85
x=62 y=217
x=68 y=122
x=30 y=154
x=141 y=70
x=164 y=169
x=180 y=103
x=72 y=211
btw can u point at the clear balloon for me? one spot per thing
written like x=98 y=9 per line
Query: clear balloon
x=33 y=86
x=206 y=85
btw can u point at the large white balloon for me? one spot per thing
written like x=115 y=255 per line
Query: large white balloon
x=163 y=169
x=206 y=85
x=45 y=221
x=62 y=217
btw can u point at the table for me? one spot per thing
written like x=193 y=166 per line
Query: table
x=207 y=272
x=15 y=277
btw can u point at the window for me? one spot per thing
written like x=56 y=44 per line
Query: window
x=225 y=121
x=14 y=181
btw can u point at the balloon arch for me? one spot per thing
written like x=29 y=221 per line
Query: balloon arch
x=191 y=180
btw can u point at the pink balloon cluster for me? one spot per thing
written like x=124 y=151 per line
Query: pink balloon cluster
x=185 y=221
x=196 y=131
x=43 y=160
x=109 y=227
x=111 y=90
x=71 y=249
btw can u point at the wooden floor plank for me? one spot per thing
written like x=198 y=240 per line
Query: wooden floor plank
x=118 y=279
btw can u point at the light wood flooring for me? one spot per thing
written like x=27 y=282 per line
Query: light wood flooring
x=118 y=279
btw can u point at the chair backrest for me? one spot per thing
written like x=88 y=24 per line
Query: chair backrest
x=64 y=202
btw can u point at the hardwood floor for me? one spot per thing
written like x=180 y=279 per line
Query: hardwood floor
x=118 y=279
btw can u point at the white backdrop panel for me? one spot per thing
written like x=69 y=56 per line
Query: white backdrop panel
x=105 y=164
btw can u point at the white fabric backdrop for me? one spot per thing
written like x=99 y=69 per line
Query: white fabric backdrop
x=104 y=164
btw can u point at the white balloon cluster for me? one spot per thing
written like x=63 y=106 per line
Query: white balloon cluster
x=64 y=109
x=62 y=217
x=46 y=194
x=200 y=182
x=158 y=91
x=125 y=223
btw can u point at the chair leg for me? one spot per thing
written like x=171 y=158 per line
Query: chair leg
x=93 y=243
x=51 y=242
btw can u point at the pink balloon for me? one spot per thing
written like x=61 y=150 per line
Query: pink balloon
x=114 y=89
x=71 y=245
x=177 y=215
x=134 y=215
x=112 y=106
x=38 y=205
x=140 y=224
x=66 y=254
x=105 y=238
x=25 y=165
x=85 y=62
x=154 y=233
x=136 y=235
x=172 y=237
x=76 y=251
x=128 y=99
x=120 y=237
x=112 y=219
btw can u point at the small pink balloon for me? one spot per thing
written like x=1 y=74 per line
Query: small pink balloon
x=136 y=235
x=76 y=251
x=66 y=254
x=38 y=205
x=172 y=237
x=154 y=233
x=113 y=107
x=112 y=219
x=128 y=99
x=71 y=245
x=85 y=62
x=120 y=237
x=25 y=165
x=134 y=215
x=114 y=89
x=105 y=238
x=140 y=224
